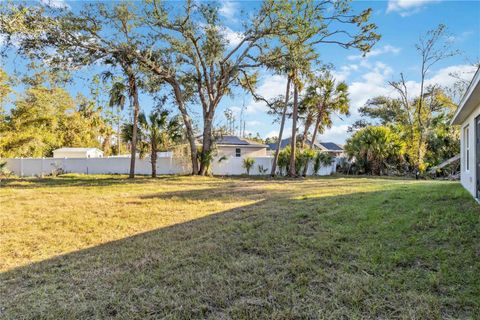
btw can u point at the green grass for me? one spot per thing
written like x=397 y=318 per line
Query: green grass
x=87 y=247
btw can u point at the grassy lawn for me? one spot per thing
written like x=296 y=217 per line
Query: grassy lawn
x=238 y=248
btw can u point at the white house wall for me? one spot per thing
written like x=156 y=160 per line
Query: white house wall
x=467 y=177
x=245 y=151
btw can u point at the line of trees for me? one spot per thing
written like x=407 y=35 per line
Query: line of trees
x=411 y=132
x=185 y=51
x=44 y=117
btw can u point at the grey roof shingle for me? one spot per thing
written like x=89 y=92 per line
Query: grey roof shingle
x=234 y=140
x=330 y=146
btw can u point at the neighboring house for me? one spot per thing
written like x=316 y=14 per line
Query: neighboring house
x=467 y=117
x=333 y=149
x=233 y=146
x=77 y=153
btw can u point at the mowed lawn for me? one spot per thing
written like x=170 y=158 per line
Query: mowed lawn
x=89 y=247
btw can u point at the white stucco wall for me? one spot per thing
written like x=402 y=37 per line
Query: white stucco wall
x=78 y=154
x=121 y=165
x=229 y=151
x=467 y=177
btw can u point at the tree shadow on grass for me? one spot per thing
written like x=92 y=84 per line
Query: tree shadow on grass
x=81 y=181
x=359 y=255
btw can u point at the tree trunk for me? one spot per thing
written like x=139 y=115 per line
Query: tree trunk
x=292 y=171
x=317 y=124
x=308 y=123
x=314 y=135
x=119 y=137
x=153 y=160
x=136 y=108
x=207 y=145
x=420 y=124
x=282 y=125
x=188 y=125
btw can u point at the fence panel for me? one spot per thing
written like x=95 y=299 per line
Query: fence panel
x=121 y=165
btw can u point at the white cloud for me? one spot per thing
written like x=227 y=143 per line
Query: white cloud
x=3 y=40
x=407 y=7
x=253 y=123
x=272 y=134
x=337 y=134
x=233 y=37
x=373 y=83
x=236 y=110
x=344 y=72
x=59 y=4
x=271 y=88
x=14 y=41
x=287 y=132
x=444 y=77
x=460 y=37
x=376 y=52
x=229 y=10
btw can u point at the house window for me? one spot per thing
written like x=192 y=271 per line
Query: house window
x=238 y=152
x=466 y=139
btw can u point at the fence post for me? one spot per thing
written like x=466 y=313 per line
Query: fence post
x=21 y=167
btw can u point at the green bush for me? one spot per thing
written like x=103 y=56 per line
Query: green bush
x=302 y=160
x=248 y=164
x=321 y=158
x=284 y=160
x=375 y=148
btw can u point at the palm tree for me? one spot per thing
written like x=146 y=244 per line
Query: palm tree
x=374 y=147
x=158 y=133
x=323 y=99
x=322 y=158
x=248 y=164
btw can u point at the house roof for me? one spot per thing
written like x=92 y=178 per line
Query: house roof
x=76 y=149
x=330 y=146
x=326 y=146
x=470 y=100
x=236 y=141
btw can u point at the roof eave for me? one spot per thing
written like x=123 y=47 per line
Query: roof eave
x=466 y=106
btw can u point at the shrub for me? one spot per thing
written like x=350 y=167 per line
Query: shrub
x=4 y=172
x=302 y=160
x=321 y=158
x=262 y=169
x=284 y=160
x=248 y=164
x=375 y=148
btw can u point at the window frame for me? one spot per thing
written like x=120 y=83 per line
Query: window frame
x=238 y=152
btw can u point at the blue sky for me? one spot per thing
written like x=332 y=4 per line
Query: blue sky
x=399 y=22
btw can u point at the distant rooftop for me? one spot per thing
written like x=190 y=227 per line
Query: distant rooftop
x=327 y=146
x=76 y=149
x=331 y=146
x=236 y=141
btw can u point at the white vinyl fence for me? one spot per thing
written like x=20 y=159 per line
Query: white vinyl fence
x=25 y=167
